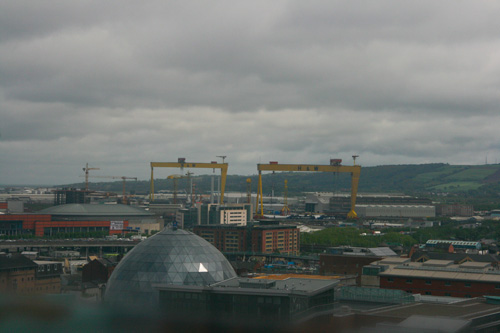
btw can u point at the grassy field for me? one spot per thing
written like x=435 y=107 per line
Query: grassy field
x=457 y=186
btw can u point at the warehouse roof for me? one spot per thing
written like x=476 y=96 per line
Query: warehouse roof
x=449 y=272
x=97 y=210
x=15 y=261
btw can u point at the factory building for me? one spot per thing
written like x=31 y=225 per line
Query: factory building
x=455 y=210
x=370 y=205
x=395 y=211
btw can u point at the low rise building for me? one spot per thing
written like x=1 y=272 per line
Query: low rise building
x=21 y=275
x=436 y=277
x=250 y=299
x=98 y=270
x=17 y=274
x=48 y=277
x=350 y=261
x=252 y=238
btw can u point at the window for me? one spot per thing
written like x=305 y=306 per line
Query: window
x=467 y=284
x=497 y=286
x=428 y=282
x=409 y=281
x=389 y=279
x=447 y=283
x=447 y=294
x=428 y=293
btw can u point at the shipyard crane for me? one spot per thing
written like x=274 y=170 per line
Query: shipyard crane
x=86 y=170
x=175 y=178
x=123 y=178
x=285 y=210
x=335 y=166
x=181 y=163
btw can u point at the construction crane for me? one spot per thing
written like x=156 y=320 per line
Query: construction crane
x=123 y=178
x=86 y=170
x=175 y=178
x=181 y=163
x=335 y=166
x=285 y=210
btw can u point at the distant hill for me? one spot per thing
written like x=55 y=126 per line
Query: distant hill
x=461 y=180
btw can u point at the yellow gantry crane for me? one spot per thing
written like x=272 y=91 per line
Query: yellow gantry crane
x=335 y=166
x=285 y=210
x=181 y=163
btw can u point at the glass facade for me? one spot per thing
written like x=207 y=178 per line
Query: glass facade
x=170 y=257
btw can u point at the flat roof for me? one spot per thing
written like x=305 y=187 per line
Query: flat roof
x=393 y=261
x=298 y=276
x=445 y=273
x=268 y=287
x=469 y=309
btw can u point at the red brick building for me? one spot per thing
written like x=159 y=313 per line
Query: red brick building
x=442 y=278
x=21 y=275
x=252 y=238
x=17 y=274
x=331 y=264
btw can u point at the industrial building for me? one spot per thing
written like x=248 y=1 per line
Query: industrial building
x=455 y=210
x=370 y=205
x=454 y=245
x=435 y=277
x=252 y=238
x=396 y=211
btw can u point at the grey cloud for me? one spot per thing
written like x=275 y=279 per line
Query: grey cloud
x=293 y=81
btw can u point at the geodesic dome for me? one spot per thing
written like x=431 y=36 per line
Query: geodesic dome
x=169 y=257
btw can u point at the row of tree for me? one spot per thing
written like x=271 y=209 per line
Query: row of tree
x=405 y=237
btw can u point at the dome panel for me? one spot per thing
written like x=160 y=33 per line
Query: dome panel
x=169 y=257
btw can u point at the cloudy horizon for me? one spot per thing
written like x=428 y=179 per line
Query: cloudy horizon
x=290 y=81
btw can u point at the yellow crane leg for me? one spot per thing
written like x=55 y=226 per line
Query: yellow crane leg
x=354 y=191
x=152 y=188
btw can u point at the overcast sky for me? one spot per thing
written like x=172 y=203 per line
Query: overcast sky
x=120 y=84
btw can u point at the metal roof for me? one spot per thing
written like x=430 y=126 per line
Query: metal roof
x=95 y=210
x=414 y=270
x=382 y=251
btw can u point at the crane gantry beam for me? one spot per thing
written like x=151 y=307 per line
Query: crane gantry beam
x=354 y=170
x=181 y=163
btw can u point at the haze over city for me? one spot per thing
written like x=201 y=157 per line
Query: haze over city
x=290 y=81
